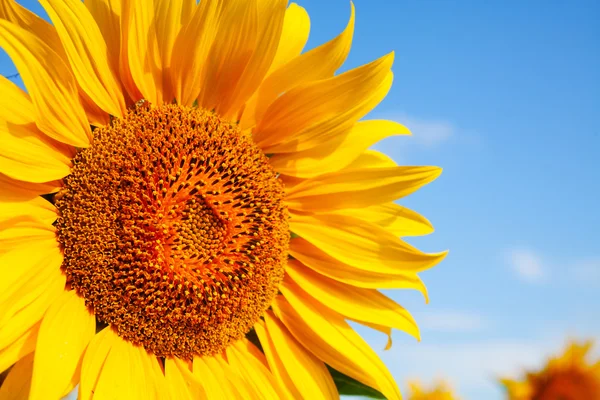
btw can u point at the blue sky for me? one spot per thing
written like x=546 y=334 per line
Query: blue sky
x=505 y=96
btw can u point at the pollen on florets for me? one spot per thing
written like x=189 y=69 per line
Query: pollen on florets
x=174 y=230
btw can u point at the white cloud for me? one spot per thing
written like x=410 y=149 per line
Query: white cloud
x=451 y=321
x=527 y=264
x=427 y=133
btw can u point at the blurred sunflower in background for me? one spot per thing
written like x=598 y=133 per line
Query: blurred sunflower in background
x=566 y=377
x=189 y=208
x=440 y=391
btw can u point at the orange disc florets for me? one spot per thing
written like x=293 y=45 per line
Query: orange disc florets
x=174 y=230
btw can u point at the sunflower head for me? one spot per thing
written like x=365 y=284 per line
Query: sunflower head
x=189 y=207
x=569 y=376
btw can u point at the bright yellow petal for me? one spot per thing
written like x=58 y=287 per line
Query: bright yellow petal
x=15 y=104
x=338 y=153
x=241 y=55
x=394 y=218
x=357 y=188
x=359 y=304
x=316 y=64
x=195 y=40
x=17 y=383
x=87 y=53
x=313 y=112
x=13 y=190
x=50 y=84
x=19 y=231
x=319 y=261
x=294 y=35
x=66 y=330
x=372 y=159
x=11 y=11
x=332 y=340
x=36 y=208
x=361 y=244
x=386 y=330
x=122 y=374
x=296 y=368
x=214 y=380
x=254 y=373
x=26 y=305
x=18 y=349
x=168 y=23
x=179 y=386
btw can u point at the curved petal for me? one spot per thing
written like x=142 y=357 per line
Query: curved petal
x=357 y=188
x=107 y=14
x=214 y=380
x=114 y=368
x=179 y=386
x=337 y=153
x=362 y=244
x=372 y=159
x=18 y=349
x=319 y=261
x=243 y=50
x=300 y=118
x=294 y=35
x=168 y=24
x=296 y=368
x=394 y=218
x=49 y=81
x=316 y=64
x=255 y=373
x=195 y=39
x=17 y=383
x=36 y=208
x=66 y=330
x=87 y=53
x=326 y=334
x=365 y=305
x=23 y=230
x=14 y=190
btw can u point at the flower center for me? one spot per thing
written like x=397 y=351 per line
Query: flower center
x=174 y=230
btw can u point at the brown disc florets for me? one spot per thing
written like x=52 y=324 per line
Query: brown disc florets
x=174 y=230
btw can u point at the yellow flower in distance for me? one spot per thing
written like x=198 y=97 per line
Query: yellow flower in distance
x=567 y=377
x=441 y=391
x=188 y=205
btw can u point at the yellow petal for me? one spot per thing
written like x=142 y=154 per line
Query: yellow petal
x=65 y=332
x=241 y=55
x=361 y=244
x=357 y=188
x=337 y=153
x=93 y=362
x=294 y=35
x=319 y=261
x=49 y=81
x=87 y=53
x=123 y=373
x=195 y=40
x=19 y=231
x=25 y=156
x=15 y=104
x=316 y=64
x=332 y=340
x=366 y=305
x=392 y=217
x=179 y=386
x=372 y=159
x=310 y=113
x=14 y=190
x=36 y=208
x=254 y=373
x=140 y=55
x=296 y=368
x=26 y=305
x=17 y=383
x=386 y=330
x=168 y=23
x=11 y=10
x=214 y=380
x=18 y=349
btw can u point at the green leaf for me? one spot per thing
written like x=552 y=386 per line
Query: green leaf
x=351 y=387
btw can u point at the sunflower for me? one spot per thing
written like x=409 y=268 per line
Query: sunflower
x=189 y=208
x=566 y=377
x=441 y=391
